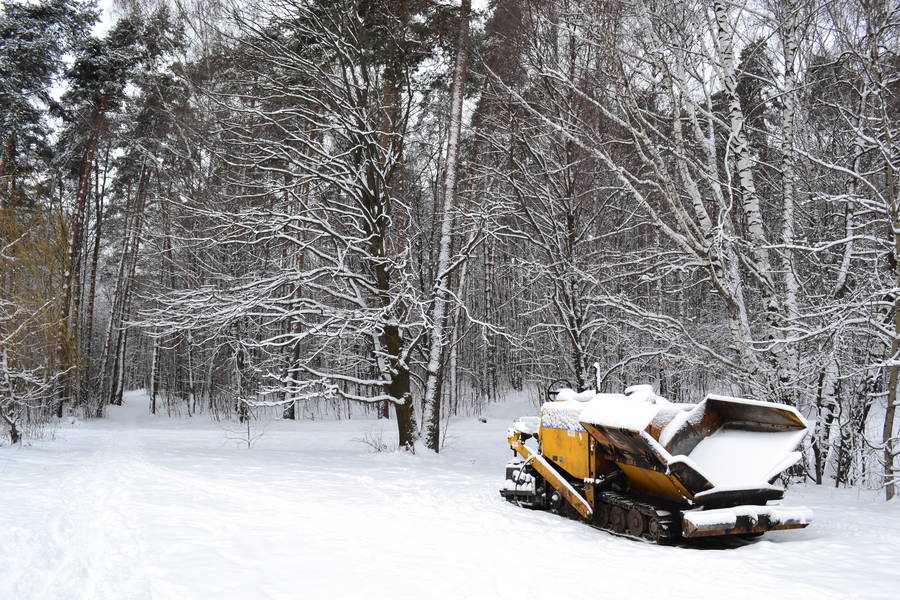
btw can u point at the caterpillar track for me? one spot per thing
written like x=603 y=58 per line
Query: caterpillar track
x=637 y=465
x=613 y=512
x=617 y=513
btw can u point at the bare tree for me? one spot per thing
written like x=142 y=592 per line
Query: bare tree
x=444 y=267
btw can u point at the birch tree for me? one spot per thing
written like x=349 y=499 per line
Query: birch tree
x=438 y=314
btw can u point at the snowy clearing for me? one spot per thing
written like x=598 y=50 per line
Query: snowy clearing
x=136 y=507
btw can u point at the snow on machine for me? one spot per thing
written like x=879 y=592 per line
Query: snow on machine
x=639 y=465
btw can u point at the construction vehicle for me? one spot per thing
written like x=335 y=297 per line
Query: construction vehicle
x=638 y=465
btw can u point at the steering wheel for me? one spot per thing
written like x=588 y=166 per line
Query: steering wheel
x=554 y=387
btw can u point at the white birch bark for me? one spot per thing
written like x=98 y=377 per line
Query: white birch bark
x=790 y=31
x=437 y=340
x=761 y=265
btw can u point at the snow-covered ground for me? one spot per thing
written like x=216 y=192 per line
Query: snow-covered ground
x=135 y=507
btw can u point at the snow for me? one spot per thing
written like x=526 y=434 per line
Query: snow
x=678 y=420
x=563 y=415
x=568 y=394
x=633 y=412
x=529 y=425
x=644 y=391
x=526 y=484
x=744 y=459
x=521 y=481
x=143 y=507
x=726 y=518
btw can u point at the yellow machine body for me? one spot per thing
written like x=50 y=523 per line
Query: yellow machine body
x=654 y=482
x=660 y=484
x=567 y=449
x=571 y=451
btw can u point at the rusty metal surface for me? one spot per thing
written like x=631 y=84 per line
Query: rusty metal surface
x=746 y=519
x=690 y=532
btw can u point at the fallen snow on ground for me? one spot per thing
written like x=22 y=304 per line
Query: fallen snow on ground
x=134 y=507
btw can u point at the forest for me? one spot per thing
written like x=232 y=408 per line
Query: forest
x=412 y=208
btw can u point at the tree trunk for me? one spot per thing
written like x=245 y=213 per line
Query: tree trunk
x=98 y=218
x=110 y=386
x=120 y=372
x=14 y=435
x=154 y=374
x=888 y=436
x=67 y=344
x=242 y=407
x=761 y=266
x=191 y=401
x=290 y=409
x=790 y=43
x=433 y=379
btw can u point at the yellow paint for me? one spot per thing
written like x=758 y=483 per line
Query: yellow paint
x=659 y=484
x=567 y=449
x=551 y=476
